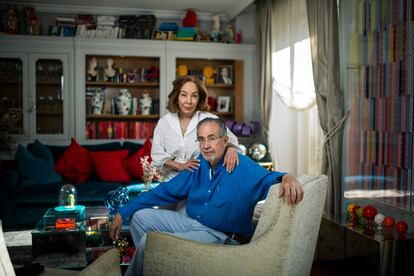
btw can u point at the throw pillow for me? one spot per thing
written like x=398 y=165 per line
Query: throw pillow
x=39 y=150
x=38 y=169
x=75 y=163
x=109 y=165
x=133 y=163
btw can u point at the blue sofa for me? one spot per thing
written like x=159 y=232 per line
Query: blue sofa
x=24 y=201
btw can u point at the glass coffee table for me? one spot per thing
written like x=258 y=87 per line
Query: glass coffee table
x=76 y=246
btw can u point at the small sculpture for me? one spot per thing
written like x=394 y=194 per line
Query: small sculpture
x=216 y=33
x=109 y=70
x=369 y=212
x=92 y=72
x=389 y=225
x=182 y=70
x=208 y=73
x=228 y=34
x=145 y=103
x=123 y=102
x=349 y=209
x=97 y=103
x=402 y=228
x=379 y=229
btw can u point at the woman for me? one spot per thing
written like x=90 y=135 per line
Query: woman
x=174 y=146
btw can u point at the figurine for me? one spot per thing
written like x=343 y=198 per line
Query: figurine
x=389 y=225
x=145 y=103
x=92 y=72
x=208 y=73
x=369 y=212
x=32 y=21
x=109 y=70
x=402 y=228
x=216 y=33
x=182 y=70
x=228 y=34
x=123 y=102
x=12 y=22
x=379 y=218
x=97 y=103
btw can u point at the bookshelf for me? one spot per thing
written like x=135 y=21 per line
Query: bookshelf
x=109 y=79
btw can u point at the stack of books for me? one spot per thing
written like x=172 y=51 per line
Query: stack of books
x=66 y=26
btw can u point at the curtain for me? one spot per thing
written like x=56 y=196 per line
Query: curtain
x=264 y=52
x=323 y=29
x=294 y=134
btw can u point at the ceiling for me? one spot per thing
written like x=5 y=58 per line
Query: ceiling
x=228 y=8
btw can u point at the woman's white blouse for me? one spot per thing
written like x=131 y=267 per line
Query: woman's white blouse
x=169 y=144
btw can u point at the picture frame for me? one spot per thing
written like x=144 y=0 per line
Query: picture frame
x=223 y=104
x=224 y=74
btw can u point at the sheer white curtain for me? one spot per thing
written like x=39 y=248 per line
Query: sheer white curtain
x=295 y=137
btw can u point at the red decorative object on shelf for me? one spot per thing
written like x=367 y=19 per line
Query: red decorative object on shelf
x=354 y=212
x=389 y=224
x=402 y=228
x=369 y=212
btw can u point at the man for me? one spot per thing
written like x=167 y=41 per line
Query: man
x=220 y=205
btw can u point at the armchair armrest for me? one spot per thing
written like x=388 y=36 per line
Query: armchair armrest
x=9 y=182
x=166 y=254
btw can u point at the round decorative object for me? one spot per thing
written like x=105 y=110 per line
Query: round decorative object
x=242 y=149
x=388 y=221
x=402 y=228
x=67 y=195
x=257 y=151
x=379 y=218
x=116 y=199
x=237 y=128
x=369 y=212
x=349 y=208
x=355 y=210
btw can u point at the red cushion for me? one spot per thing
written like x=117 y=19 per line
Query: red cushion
x=75 y=163
x=109 y=165
x=133 y=164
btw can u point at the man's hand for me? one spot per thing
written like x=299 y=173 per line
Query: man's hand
x=291 y=189
x=115 y=227
x=231 y=159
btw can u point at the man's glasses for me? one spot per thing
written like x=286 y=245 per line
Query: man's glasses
x=208 y=140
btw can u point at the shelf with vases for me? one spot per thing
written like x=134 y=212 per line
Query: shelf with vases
x=122 y=84
x=121 y=117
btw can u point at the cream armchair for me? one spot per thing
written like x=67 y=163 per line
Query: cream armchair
x=283 y=243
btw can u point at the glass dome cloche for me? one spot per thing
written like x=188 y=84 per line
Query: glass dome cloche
x=68 y=195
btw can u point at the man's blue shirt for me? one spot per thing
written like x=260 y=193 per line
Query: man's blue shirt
x=220 y=200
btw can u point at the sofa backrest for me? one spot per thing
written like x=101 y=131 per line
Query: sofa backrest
x=57 y=151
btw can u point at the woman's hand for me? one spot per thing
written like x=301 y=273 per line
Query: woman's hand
x=231 y=159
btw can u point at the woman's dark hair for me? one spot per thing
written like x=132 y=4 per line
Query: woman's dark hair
x=178 y=83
